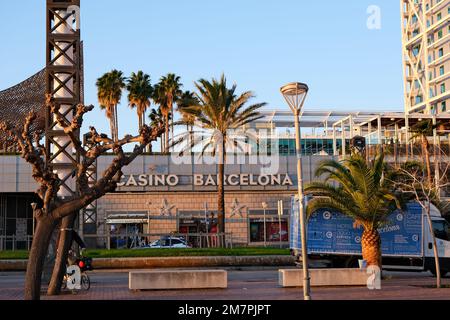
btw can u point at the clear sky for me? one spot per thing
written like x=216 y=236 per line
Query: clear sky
x=259 y=44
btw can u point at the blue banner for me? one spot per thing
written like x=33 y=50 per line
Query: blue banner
x=330 y=232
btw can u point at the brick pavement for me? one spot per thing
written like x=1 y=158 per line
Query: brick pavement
x=254 y=285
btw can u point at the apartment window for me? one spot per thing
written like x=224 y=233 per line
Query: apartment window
x=443 y=88
x=419 y=99
x=439 y=16
x=444 y=106
x=416 y=51
x=416 y=84
x=441 y=52
x=440 y=34
x=441 y=70
x=414 y=19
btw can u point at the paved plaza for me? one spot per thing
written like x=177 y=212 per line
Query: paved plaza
x=248 y=284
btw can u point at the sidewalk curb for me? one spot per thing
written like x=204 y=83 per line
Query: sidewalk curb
x=170 y=262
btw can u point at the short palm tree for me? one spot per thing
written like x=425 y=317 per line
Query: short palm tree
x=167 y=91
x=358 y=190
x=219 y=111
x=140 y=92
x=109 y=88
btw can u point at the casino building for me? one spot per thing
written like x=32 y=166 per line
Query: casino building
x=164 y=194
x=168 y=194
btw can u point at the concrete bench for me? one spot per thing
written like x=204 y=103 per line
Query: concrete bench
x=178 y=279
x=323 y=277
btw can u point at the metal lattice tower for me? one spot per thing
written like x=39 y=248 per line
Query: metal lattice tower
x=63 y=82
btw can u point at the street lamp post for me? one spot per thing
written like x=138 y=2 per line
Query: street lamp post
x=295 y=95
x=265 y=206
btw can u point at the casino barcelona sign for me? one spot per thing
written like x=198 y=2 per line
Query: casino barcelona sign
x=200 y=180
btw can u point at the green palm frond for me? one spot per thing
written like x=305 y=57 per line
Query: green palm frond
x=355 y=188
x=218 y=108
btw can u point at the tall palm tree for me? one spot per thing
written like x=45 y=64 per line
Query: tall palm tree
x=110 y=87
x=167 y=91
x=140 y=92
x=422 y=130
x=186 y=100
x=157 y=118
x=358 y=190
x=219 y=110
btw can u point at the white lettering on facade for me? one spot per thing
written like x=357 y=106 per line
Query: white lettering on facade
x=199 y=180
x=263 y=180
x=131 y=181
x=233 y=180
x=244 y=179
x=173 y=180
x=210 y=181
x=143 y=180
x=287 y=181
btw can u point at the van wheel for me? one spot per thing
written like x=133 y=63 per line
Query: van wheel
x=443 y=272
x=352 y=263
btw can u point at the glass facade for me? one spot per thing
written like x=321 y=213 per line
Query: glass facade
x=309 y=146
x=272 y=230
x=16 y=219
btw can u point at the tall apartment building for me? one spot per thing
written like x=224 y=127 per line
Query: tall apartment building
x=426 y=55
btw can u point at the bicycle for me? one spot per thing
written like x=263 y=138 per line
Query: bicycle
x=79 y=268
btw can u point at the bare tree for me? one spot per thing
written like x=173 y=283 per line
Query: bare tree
x=53 y=209
x=414 y=179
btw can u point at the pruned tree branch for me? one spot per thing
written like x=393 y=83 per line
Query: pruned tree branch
x=34 y=152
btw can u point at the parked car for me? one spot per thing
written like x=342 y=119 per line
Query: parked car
x=169 y=242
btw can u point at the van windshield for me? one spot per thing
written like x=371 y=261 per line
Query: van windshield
x=441 y=230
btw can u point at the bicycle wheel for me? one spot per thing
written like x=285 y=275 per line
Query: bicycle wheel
x=64 y=283
x=85 y=282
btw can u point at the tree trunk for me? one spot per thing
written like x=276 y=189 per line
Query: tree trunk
x=371 y=248
x=171 y=123
x=111 y=124
x=116 y=123
x=167 y=135
x=427 y=159
x=191 y=134
x=64 y=244
x=435 y=248
x=221 y=190
x=37 y=256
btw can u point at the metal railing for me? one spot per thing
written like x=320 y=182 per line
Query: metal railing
x=411 y=151
x=129 y=241
x=13 y=243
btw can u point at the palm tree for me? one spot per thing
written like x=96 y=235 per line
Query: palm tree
x=140 y=92
x=110 y=87
x=422 y=130
x=358 y=190
x=156 y=118
x=219 y=110
x=186 y=100
x=167 y=92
